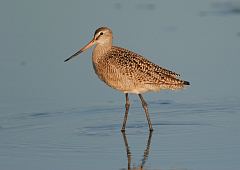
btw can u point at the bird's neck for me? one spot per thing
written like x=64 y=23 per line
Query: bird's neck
x=100 y=50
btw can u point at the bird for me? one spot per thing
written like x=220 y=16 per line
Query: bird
x=127 y=71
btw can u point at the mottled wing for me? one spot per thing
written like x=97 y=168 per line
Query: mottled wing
x=142 y=70
x=138 y=59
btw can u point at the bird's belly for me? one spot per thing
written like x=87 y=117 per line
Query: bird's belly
x=116 y=79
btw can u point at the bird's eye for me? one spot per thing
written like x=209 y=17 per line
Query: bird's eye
x=101 y=33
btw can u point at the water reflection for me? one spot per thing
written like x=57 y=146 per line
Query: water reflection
x=129 y=155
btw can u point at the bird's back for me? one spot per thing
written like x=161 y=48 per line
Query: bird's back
x=131 y=73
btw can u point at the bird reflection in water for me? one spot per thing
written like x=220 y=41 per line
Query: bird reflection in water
x=145 y=155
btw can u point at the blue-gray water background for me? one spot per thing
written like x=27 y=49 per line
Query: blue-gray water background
x=56 y=115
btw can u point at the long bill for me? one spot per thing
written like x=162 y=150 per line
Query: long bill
x=90 y=44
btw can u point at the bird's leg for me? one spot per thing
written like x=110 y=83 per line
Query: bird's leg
x=127 y=105
x=144 y=104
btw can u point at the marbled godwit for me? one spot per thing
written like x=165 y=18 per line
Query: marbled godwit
x=127 y=71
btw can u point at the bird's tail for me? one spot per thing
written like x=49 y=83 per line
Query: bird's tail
x=180 y=84
x=174 y=84
x=186 y=83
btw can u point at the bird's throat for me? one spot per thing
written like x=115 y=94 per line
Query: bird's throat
x=99 y=51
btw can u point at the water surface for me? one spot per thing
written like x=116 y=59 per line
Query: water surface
x=56 y=115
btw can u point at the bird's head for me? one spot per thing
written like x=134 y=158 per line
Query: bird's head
x=102 y=36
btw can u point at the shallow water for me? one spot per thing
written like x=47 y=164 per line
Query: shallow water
x=186 y=136
x=56 y=115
